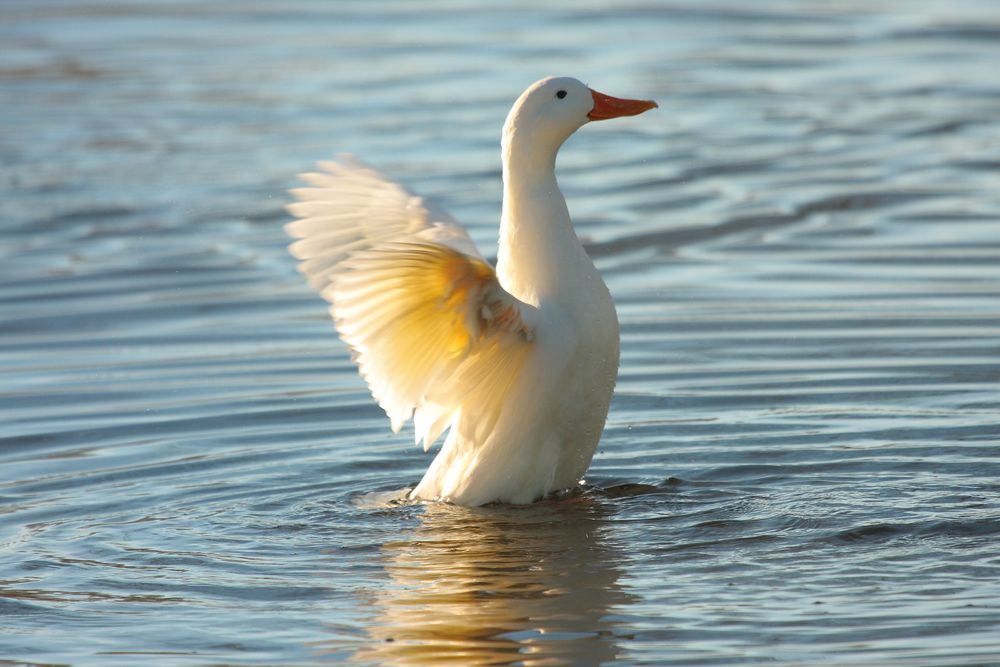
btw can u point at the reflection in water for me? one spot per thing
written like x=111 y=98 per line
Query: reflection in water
x=494 y=586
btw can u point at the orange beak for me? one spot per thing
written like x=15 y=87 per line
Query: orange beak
x=606 y=107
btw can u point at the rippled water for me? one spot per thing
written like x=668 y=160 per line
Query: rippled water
x=801 y=464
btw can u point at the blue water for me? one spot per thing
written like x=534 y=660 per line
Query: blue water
x=802 y=459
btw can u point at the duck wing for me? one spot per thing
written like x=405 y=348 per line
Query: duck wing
x=433 y=332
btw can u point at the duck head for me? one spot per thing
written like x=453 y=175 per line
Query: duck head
x=551 y=110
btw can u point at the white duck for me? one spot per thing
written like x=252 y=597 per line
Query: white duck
x=520 y=363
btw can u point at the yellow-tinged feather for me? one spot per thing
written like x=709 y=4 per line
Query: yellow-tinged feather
x=413 y=314
x=433 y=333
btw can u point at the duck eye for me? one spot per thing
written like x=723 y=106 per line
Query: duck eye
x=561 y=94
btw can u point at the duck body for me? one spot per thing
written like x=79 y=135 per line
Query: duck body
x=524 y=379
x=555 y=412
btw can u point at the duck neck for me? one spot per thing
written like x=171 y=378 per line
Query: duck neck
x=538 y=246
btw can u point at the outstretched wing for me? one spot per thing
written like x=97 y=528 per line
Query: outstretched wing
x=434 y=334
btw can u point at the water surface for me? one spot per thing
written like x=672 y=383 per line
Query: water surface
x=801 y=463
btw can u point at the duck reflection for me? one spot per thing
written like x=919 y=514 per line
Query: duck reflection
x=531 y=585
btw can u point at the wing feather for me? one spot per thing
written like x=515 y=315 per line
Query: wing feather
x=434 y=334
